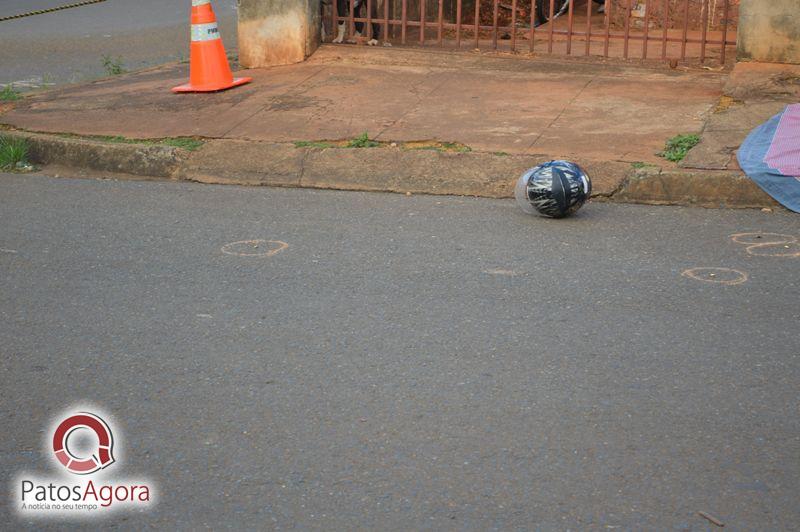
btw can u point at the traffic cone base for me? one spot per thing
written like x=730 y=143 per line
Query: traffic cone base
x=211 y=88
x=209 y=70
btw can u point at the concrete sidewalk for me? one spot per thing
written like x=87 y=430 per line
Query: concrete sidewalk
x=585 y=110
x=508 y=113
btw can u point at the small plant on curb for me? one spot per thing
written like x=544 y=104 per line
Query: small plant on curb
x=113 y=65
x=363 y=141
x=8 y=94
x=437 y=146
x=456 y=147
x=184 y=143
x=13 y=153
x=314 y=144
x=678 y=146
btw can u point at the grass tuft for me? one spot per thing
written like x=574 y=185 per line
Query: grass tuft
x=113 y=65
x=363 y=141
x=185 y=143
x=8 y=94
x=13 y=151
x=314 y=144
x=678 y=146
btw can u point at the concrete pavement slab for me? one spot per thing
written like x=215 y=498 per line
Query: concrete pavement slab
x=629 y=118
x=511 y=112
x=490 y=104
x=488 y=112
x=339 y=103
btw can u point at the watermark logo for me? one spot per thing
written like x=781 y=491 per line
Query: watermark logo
x=83 y=446
x=100 y=459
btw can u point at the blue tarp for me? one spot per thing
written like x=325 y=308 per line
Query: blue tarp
x=771 y=157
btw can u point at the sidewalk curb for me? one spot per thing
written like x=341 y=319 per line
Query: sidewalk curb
x=385 y=169
x=702 y=188
x=143 y=160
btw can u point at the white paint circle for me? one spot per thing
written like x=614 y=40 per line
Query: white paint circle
x=768 y=244
x=727 y=276
x=254 y=248
x=751 y=239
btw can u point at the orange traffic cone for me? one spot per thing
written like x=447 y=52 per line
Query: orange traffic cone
x=208 y=68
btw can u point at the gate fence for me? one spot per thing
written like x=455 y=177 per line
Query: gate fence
x=669 y=30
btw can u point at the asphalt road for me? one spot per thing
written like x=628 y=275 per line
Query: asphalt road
x=68 y=46
x=405 y=362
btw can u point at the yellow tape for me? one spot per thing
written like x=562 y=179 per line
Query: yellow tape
x=52 y=9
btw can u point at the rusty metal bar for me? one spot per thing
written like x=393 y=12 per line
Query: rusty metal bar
x=550 y=22
x=513 y=25
x=422 y=16
x=458 y=22
x=627 y=28
x=441 y=21
x=404 y=21
x=646 y=28
x=664 y=35
x=685 y=28
x=369 y=19
x=494 y=22
x=725 y=15
x=607 y=20
x=352 y=17
x=335 y=23
x=385 y=20
x=704 y=32
x=588 y=27
x=613 y=36
x=533 y=23
x=477 y=22
x=570 y=22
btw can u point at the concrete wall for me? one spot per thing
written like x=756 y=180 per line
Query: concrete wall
x=277 y=32
x=769 y=30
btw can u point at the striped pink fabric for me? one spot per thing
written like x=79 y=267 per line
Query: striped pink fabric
x=784 y=153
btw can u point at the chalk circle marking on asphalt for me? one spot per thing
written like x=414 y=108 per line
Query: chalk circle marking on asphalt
x=768 y=244
x=727 y=276
x=254 y=248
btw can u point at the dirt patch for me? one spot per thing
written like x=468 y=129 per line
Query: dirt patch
x=725 y=103
x=365 y=142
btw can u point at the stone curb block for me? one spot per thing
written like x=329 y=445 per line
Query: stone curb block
x=387 y=170
x=701 y=188
x=135 y=159
x=373 y=169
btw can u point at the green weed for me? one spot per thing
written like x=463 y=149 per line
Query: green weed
x=363 y=141
x=113 y=65
x=8 y=94
x=13 y=151
x=314 y=144
x=185 y=143
x=678 y=146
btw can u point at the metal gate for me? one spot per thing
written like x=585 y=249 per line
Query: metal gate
x=687 y=31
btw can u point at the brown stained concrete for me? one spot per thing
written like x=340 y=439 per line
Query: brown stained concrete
x=277 y=40
x=769 y=30
x=753 y=94
x=590 y=110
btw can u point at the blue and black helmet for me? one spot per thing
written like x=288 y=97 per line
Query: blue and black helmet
x=554 y=189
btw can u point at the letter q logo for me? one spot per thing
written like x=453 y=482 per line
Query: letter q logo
x=102 y=456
